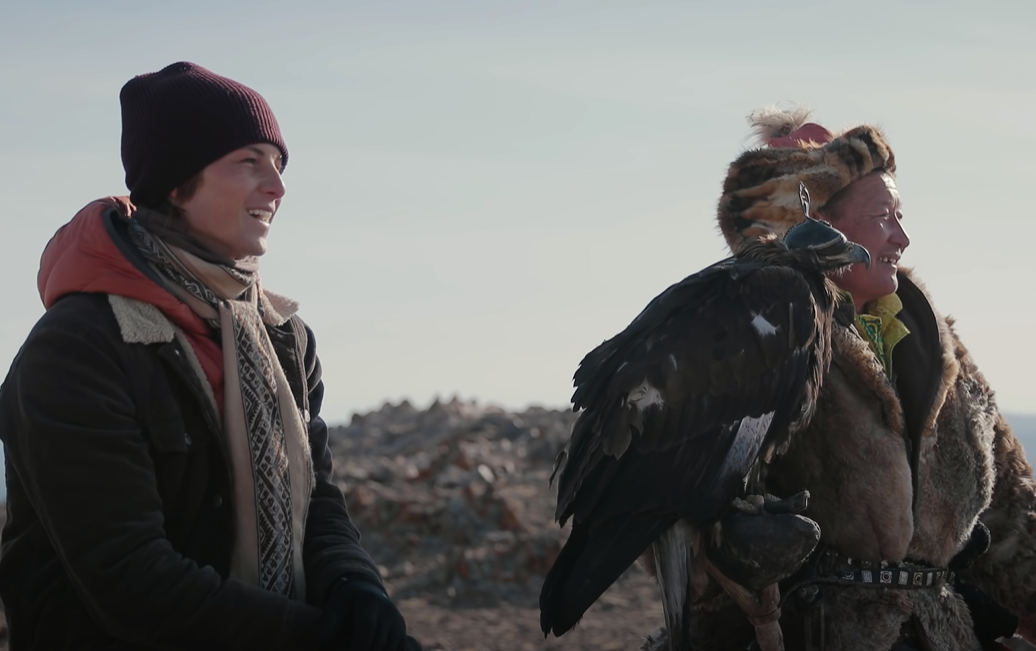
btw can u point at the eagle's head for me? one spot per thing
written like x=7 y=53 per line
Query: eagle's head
x=820 y=246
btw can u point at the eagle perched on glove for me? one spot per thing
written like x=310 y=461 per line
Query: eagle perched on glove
x=681 y=407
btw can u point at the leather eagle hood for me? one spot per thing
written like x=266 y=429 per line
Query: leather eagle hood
x=761 y=190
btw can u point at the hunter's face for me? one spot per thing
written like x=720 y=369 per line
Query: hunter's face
x=870 y=215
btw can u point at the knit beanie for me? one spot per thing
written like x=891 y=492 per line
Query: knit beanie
x=178 y=120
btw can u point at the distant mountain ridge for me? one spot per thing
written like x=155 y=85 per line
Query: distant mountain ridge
x=1024 y=427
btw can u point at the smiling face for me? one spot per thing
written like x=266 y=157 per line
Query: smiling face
x=868 y=213
x=231 y=210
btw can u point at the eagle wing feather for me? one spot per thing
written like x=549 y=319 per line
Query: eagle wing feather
x=708 y=352
x=676 y=410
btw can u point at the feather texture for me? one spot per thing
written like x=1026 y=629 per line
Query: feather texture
x=681 y=408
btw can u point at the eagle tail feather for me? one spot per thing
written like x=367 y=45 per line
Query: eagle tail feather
x=590 y=562
x=674 y=560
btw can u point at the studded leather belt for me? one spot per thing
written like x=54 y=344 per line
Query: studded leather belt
x=906 y=576
x=828 y=567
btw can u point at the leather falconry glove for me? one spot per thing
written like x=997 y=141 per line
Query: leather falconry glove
x=764 y=540
x=757 y=544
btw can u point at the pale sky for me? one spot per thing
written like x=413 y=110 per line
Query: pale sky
x=480 y=192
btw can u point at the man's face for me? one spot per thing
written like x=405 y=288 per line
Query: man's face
x=235 y=202
x=870 y=215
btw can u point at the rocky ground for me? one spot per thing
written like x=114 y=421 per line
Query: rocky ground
x=454 y=504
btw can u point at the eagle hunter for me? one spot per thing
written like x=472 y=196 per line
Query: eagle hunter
x=681 y=407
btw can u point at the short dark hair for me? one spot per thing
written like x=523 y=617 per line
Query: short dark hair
x=184 y=191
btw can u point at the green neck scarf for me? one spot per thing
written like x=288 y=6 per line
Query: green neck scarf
x=880 y=327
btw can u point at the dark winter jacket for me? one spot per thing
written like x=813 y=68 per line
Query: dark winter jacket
x=120 y=526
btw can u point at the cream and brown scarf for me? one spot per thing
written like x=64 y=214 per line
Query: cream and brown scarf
x=264 y=432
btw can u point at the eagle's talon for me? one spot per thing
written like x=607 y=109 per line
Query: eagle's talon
x=749 y=504
x=793 y=504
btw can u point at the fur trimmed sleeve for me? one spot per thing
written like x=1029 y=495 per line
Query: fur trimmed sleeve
x=1007 y=572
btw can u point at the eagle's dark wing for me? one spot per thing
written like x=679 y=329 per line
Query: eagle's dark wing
x=677 y=408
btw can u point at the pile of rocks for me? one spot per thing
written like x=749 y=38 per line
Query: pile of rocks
x=454 y=501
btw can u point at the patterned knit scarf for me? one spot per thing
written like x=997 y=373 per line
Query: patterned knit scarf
x=263 y=429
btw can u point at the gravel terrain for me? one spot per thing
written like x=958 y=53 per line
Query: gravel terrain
x=455 y=506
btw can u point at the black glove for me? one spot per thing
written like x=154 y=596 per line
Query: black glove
x=991 y=620
x=365 y=619
x=411 y=644
x=978 y=544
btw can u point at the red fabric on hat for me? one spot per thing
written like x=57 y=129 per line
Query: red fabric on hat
x=809 y=132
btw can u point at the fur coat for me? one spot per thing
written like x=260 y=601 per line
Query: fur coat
x=857 y=459
x=900 y=466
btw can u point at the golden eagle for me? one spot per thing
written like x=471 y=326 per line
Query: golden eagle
x=681 y=407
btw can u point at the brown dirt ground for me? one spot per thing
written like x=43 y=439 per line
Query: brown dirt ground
x=618 y=621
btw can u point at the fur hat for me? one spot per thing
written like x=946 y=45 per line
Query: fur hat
x=761 y=191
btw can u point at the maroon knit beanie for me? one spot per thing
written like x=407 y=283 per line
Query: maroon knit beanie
x=178 y=120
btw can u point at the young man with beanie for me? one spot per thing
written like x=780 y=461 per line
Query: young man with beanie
x=168 y=473
x=924 y=499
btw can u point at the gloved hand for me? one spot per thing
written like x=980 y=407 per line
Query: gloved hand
x=365 y=619
x=763 y=540
x=411 y=644
x=991 y=620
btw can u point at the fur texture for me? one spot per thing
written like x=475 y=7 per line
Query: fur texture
x=140 y=322
x=277 y=309
x=868 y=471
x=855 y=456
x=143 y=323
x=853 y=459
x=774 y=122
x=1007 y=571
x=761 y=191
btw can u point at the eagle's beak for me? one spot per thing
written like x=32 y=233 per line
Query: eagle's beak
x=857 y=253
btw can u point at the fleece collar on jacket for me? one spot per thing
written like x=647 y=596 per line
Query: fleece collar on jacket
x=143 y=323
x=83 y=257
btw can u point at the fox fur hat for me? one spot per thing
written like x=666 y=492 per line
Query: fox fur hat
x=761 y=191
